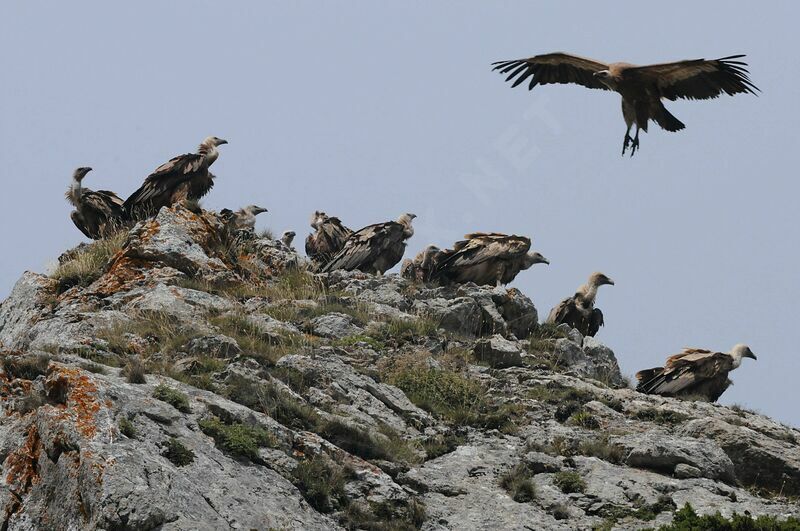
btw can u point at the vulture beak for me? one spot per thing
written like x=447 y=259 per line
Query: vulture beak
x=545 y=261
x=221 y=141
x=750 y=355
x=609 y=281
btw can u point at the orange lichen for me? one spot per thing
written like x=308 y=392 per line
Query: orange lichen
x=22 y=464
x=81 y=403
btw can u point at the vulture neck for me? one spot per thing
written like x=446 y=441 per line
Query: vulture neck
x=75 y=192
x=737 y=360
x=209 y=151
x=587 y=294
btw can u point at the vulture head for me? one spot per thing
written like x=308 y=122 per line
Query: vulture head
x=739 y=352
x=405 y=220
x=213 y=141
x=534 y=257
x=254 y=210
x=318 y=218
x=599 y=279
x=287 y=238
x=606 y=78
x=80 y=173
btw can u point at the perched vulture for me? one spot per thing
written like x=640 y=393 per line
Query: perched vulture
x=641 y=87
x=375 y=248
x=578 y=311
x=487 y=259
x=242 y=219
x=97 y=214
x=424 y=265
x=287 y=238
x=327 y=239
x=694 y=373
x=185 y=177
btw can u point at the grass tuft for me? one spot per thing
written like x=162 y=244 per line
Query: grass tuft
x=518 y=483
x=569 y=482
x=88 y=262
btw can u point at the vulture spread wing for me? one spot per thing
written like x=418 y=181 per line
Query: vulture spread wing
x=691 y=370
x=104 y=201
x=587 y=322
x=189 y=171
x=364 y=247
x=697 y=79
x=553 y=68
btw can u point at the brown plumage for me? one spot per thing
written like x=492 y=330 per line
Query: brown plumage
x=694 y=373
x=424 y=265
x=578 y=311
x=185 y=177
x=375 y=248
x=487 y=259
x=641 y=87
x=97 y=213
x=327 y=239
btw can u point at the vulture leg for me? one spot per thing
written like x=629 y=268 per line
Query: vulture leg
x=635 y=143
x=627 y=140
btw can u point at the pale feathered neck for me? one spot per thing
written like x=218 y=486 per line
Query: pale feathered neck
x=75 y=192
x=208 y=149
x=405 y=220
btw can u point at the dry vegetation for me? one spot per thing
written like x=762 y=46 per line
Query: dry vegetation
x=87 y=263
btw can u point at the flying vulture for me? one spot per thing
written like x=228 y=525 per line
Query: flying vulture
x=424 y=265
x=375 y=248
x=242 y=219
x=694 y=373
x=641 y=87
x=327 y=239
x=185 y=177
x=287 y=238
x=490 y=259
x=97 y=214
x=578 y=311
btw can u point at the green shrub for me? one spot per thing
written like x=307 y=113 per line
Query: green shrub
x=449 y=394
x=87 y=263
x=270 y=400
x=569 y=482
x=237 y=439
x=518 y=483
x=354 y=440
x=127 y=428
x=177 y=453
x=264 y=348
x=321 y=482
x=687 y=519
x=172 y=397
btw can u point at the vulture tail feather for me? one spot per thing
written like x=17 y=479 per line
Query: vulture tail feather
x=666 y=120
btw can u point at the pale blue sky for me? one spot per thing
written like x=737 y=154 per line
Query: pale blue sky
x=369 y=109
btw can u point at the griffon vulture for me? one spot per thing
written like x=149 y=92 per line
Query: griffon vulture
x=641 y=87
x=424 y=265
x=375 y=248
x=578 y=311
x=694 y=373
x=185 y=177
x=491 y=259
x=242 y=219
x=327 y=239
x=97 y=214
x=287 y=238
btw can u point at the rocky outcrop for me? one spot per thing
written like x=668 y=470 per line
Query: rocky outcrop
x=278 y=399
